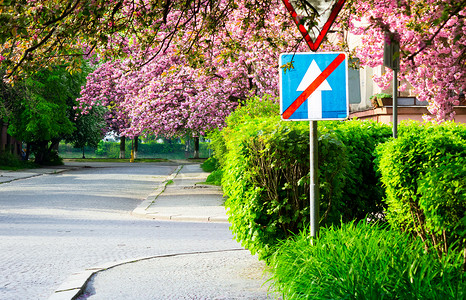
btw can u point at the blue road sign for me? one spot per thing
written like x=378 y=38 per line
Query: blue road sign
x=315 y=88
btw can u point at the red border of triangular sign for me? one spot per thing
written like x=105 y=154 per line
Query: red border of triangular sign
x=314 y=45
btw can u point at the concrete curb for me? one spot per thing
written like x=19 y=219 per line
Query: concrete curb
x=76 y=283
x=141 y=210
x=185 y=218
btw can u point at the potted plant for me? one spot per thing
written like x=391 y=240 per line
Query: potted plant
x=384 y=99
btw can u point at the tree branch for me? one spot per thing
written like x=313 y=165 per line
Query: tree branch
x=429 y=41
x=30 y=50
x=64 y=14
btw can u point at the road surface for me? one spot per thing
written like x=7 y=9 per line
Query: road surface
x=57 y=224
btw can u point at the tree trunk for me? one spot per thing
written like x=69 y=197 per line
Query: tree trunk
x=83 y=153
x=54 y=145
x=40 y=152
x=186 y=148
x=136 y=143
x=8 y=143
x=122 y=147
x=196 y=147
x=2 y=135
x=28 y=151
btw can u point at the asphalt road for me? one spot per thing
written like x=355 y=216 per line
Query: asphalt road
x=54 y=225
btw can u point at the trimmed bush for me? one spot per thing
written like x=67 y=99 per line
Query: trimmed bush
x=424 y=173
x=364 y=261
x=266 y=175
x=210 y=165
x=362 y=193
x=266 y=181
x=217 y=145
x=253 y=107
x=215 y=177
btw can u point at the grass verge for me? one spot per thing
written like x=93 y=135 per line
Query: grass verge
x=364 y=261
x=122 y=160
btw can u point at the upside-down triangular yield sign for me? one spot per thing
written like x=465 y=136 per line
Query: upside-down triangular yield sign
x=314 y=18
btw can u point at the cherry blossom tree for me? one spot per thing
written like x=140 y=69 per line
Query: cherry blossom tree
x=37 y=33
x=40 y=33
x=176 y=94
x=432 y=37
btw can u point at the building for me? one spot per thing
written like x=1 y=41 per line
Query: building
x=7 y=142
x=361 y=88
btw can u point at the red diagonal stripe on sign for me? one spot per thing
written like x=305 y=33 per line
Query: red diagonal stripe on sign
x=313 y=86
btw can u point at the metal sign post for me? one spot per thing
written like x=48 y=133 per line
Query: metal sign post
x=395 y=103
x=316 y=88
x=314 y=19
x=391 y=59
x=314 y=178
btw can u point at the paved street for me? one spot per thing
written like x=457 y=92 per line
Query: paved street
x=57 y=224
x=225 y=275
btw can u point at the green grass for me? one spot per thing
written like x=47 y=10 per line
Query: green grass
x=364 y=261
x=27 y=165
x=122 y=160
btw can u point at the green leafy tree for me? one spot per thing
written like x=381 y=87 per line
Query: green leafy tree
x=89 y=129
x=40 y=111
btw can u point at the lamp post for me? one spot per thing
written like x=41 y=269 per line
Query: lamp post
x=391 y=59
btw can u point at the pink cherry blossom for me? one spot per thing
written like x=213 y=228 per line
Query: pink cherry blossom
x=171 y=93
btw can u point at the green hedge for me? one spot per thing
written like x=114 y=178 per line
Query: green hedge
x=362 y=192
x=262 y=205
x=212 y=165
x=417 y=180
x=364 y=261
x=110 y=149
x=424 y=173
x=265 y=163
x=253 y=107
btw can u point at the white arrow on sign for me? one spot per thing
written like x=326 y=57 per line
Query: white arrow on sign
x=314 y=102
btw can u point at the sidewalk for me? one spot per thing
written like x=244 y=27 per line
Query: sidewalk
x=184 y=197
